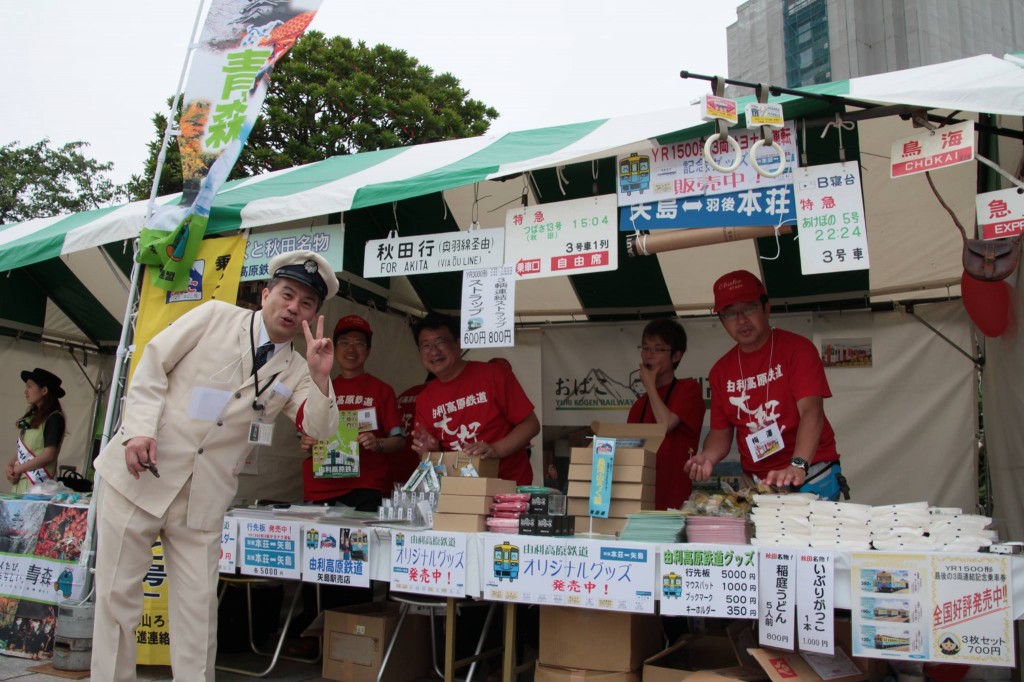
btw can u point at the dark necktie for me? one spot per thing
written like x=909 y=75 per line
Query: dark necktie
x=262 y=353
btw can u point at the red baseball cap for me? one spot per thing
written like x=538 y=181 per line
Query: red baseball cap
x=737 y=286
x=352 y=323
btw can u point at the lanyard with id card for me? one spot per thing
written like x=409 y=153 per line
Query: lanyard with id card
x=765 y=443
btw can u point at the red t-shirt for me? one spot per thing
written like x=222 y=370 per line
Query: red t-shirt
x=483 y=403
x=672 y=485
x=750 y=390
x=402 y=464
x=361 y=392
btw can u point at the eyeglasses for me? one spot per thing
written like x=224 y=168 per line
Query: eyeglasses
x=746 y=311
x=345 y=343
x=439 y=344
x=654 y=350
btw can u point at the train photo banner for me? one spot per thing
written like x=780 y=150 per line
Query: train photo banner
x=659 y=172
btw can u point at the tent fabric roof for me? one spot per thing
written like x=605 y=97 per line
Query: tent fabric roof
x=984 y=83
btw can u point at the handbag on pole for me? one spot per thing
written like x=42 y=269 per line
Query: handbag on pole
x=987 y=260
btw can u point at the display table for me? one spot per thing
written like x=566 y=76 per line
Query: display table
x=418 y=561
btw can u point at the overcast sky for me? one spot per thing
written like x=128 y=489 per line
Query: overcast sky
x=97 y=70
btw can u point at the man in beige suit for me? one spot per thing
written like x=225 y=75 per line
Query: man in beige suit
x=206 y=390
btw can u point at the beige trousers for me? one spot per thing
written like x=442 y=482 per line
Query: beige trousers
x=124 y=555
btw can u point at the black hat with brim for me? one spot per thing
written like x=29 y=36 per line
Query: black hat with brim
x=46 y=379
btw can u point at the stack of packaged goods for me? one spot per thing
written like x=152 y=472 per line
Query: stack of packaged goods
x=506 y=511
x=719 y=518
x=840 y=525
x=655 y=526
x=900 y=527
x=782 y=520
x=953 y=531
x=465 y=502
x=631 y=489
x=545 y=514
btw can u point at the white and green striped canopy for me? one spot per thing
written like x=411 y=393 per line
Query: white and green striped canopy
x=904 y=257
x=978 y=84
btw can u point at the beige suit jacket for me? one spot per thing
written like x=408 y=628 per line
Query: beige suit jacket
x=207 y=348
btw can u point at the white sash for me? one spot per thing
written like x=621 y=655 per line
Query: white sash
x=37 y=476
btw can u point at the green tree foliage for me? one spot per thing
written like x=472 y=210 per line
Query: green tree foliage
x=329 y=96
x=39 y=181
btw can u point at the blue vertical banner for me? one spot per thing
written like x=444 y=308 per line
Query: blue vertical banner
x=601 y=477
x=228 y=80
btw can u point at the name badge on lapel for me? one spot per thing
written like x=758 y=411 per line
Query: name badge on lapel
x=261 y=432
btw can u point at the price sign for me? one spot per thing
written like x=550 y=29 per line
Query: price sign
x=269 y=548
x=815 y=601
x=488 y=308
x=229 y=546
x=830 y=219
x=776 y=583
x=333 y=555
x=593 y=574
x=430 y=562
x=714 y=581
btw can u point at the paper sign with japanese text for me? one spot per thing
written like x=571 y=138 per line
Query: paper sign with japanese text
x=442 y=252
x=830 y=219
x=776 y=583
x=714 y=108
x=601 y=477
x=562 y=238
x=333 y=555
x=269 y=548
x=764 y=114
x=1001 y=213
x=429 y=562
x=229 y=546
x=339 y=456
x=930 y=150
x=593 y=574
x=972 y=610
x=712 y=581
x=153 y=633
x=815 y=601
x=751 y=207
x=488 y=308
x=888 y=597
x=326 y=240
x=655 y=172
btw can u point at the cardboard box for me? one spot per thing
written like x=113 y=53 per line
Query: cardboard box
x=789 y=666
x=586 y=524
x=453 y=462
x=356 y=637
x=701 y=658
x=580 y=506
x=550 y=673
x=620 y=491
x=620 y=473
x=464 y=504
x=470 y=485
x=462 y=523
x=587 y=639
x=652 y=434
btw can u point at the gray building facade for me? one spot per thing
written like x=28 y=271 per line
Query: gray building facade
x=802 y=42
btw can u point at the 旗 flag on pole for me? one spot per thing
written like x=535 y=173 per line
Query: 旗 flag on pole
x=228 y=80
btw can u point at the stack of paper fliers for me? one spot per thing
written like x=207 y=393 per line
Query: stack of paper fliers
x=654 y=526
x=800 y=520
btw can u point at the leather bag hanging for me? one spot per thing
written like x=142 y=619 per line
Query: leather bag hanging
x=987 y=260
